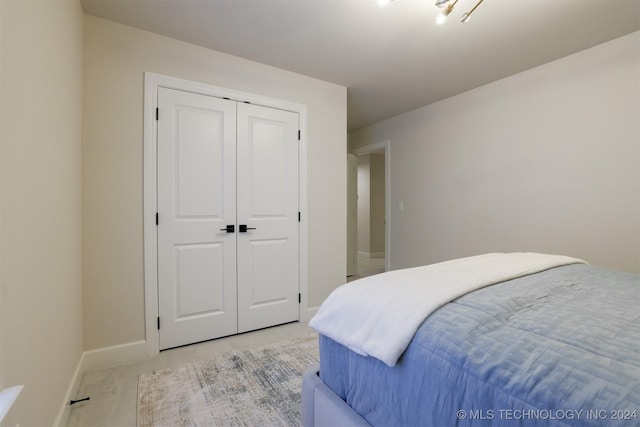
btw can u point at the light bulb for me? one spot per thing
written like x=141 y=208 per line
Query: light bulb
x=443 y=16
x=383 y=3
x=467 y=15
x=441 y=3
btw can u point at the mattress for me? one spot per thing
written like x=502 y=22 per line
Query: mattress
x=560 y=347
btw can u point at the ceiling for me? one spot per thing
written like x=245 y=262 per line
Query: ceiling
x=392 y=59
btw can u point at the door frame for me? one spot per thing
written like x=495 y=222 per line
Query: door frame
x=152 y=82
x=372 y=148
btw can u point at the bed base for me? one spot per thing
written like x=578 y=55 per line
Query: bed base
x=321 y=407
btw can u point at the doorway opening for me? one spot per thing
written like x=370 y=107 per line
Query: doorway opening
x=373 y=209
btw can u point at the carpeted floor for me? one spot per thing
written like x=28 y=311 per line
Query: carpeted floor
x=259 y=387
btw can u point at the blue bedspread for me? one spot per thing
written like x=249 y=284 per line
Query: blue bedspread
x=560 y=347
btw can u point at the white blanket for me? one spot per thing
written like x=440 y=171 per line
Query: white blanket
x=379 y=315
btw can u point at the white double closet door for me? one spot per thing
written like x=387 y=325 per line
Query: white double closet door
x=228 y=217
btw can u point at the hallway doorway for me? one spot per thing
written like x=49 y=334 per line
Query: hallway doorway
x=373 y=208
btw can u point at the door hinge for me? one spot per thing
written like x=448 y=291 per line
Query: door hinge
x=157 y=113
x=158 y=323
x=299 y=134
x=157 y=218
x=299 y=217
x=299 y=298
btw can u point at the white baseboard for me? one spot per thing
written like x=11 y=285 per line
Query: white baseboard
x=101 y=358
x=371 y=254
x=311 y=311
x=108 y=357
x=63 y=415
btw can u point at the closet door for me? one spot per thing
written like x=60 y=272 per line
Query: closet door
x=267 y=203
x=196 y=202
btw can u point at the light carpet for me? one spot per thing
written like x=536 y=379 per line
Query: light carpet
x=258 y=387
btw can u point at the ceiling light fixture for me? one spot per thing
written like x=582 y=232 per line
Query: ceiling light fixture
x=447 y=10
x=442 y=17
x=467 y=15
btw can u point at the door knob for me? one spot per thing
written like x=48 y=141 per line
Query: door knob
x=242 y=228
x=229 y=229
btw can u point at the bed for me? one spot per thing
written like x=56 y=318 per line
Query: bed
x=553 y=345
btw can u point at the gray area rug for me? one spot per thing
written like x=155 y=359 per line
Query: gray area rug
x=259 y=387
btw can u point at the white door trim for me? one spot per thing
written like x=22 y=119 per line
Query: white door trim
x=386 y=146
x=150 y=190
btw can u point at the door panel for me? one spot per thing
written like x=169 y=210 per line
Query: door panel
x=267 y=197
x=197 y=267
x=266 y=258
x=267 y=169
x=196 y=199
x=199 y=184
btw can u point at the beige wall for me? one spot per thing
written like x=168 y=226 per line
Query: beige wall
x=40 y=253
x=364 y=203
x=115 y=58
x=547 y=160
x=377 y=203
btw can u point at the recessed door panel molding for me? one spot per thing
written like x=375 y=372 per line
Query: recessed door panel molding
x=199 y=147
x=268 y=265
x=196 y=170
x=268 y=168
x=199 y=282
